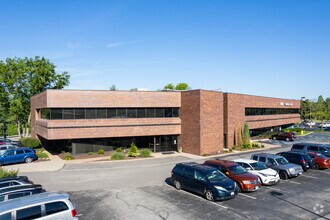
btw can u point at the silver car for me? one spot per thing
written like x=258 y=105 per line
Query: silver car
x=5 y=147
x=45 y=206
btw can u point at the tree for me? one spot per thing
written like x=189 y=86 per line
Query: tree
x=169 y=86
x=22 y=78
x=182 y=86
x=239 y=136
x=246 y=134
x=113 y=88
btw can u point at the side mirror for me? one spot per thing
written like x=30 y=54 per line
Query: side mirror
x=227 y=173
x=248 y=168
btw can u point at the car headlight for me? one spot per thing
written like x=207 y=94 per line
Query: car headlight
x=220 y=188
x=291 y=170
x=246 y=182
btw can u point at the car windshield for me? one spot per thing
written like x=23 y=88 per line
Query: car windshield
x=214 y=175
x=321 y=156
x=281 y=161
x=258 y=166
x=237 y=169
x=328 y=148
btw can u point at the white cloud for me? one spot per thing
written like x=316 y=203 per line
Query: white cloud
x=73 y=46
x=118 y=44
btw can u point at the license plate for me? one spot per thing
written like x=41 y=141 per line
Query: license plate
x=257 y=187
x=232 y=193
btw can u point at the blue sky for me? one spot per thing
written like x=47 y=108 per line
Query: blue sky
x=268 y=48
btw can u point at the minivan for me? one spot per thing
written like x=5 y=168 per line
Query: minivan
x=45 y=206
x=203 y=180
x=312 y=147
x=20 y=191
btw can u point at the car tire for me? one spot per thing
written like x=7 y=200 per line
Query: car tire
x=28 y=160
x=239 y=188
x=209 y=195
x=315 y=167
x=283 y=175
x=177 y=184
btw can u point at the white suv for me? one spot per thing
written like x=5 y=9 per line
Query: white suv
x=267 y=175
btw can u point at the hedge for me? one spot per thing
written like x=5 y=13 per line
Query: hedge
x=30 y=142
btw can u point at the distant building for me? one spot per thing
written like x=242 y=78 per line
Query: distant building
x=198 y=121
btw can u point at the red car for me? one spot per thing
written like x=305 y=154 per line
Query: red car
x=246 y=181
x=321 y=161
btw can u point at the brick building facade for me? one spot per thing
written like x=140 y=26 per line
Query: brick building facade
x=198 y=121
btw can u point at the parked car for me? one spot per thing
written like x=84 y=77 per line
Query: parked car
x=321 y=161
x=300 y=158
x=20 y=191
x=327 y=129
x=286 y=136
x=46 y=206
x=266 y=175
x=312 y=147
x=18 y=155
x=246 y=181
x=203 y=180
x=12 y=183
x=278 y=163
x=309 y=123
x=18 y=178
x=325 y=124
x=5 y=140
x=5 y=147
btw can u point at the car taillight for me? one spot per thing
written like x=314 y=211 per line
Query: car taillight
x=73 y=212
x=303 y=161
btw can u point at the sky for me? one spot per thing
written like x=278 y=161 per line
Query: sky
x=276 y=48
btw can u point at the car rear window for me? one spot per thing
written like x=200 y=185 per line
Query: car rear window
x=19 y=152
x=27 y=151
x=306 y=157
x=312 y=148
x=55 y=207
x=262 y=159
x=178 y=169
x=298 y=147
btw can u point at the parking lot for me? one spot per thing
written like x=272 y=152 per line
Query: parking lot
x=141 y=190
x=314 y=137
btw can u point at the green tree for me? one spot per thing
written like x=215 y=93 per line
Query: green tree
x=113 y=88
x=169 y=86
x=246 y=134
x=22 y=78
x=182 y=86
x=239 y=136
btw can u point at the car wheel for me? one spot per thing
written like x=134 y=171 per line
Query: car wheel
x=274 y=138
x=209 y=195
x=287 y=139
x=283 y=175
x=177 y=184
x=28 y=160
x=316 y=167
x=239 y=188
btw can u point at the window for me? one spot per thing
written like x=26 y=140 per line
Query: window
x=270 y=111
x=17 y=195
x=111 y=113
x=262 y=159
x=159 y=112
x=6 y=216
x=3 y=148
x=68 y=113
x=244 y=165
x=312 y=148
x=45 y=113
x=20 y=152
x=79 y=113
x=90 y=113
x=175 y=112
x=55 y=207
x=168 y=112
x=2 y=185
x=131 y=113
x=271 y=161
x=298 y=147
x=121 y=112
x=29 y=213
x=27 y=151
x=141 y=112
x=10 y=153
x=255 y=157
x=322 y=149
x=56 y=114
x=150 y=113
x=199 y=176
x=188 y=171
x=101 y=113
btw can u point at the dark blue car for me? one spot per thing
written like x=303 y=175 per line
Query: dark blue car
x=18 y=155
x=203 y=180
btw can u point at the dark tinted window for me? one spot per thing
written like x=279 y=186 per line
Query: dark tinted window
x=3 y=148
x=6 y=216
x=112 y=113
x=270 y=111
x=10 y=152
x=168 y=112
x=306 y=157
x=29 y=213
x=56 y=113
x=255 y=157
x=68 y=113
x=45 y=113
x=121 y=112
x=262 y=159
x=131 y=113
x=27 y=151
x=4 y=184
x=141 y=112
x=298 y=147
x=178 y=169
x=175 y=112
x=17 y=195
x=150 y=113
x=90 y=113
x=19 y=151
x=159 y=113
x=312 y=148
x=79 y=113
x=188 y=171
x=101 y=113
x=55 y=207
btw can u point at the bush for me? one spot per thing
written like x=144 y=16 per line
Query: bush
x=262 y=146
x=145 y=153
x=117 y=156
x=30 y=142
x=100 y=151
x=246 y=146
x=90 y=153
x=119 y=150
x=133 y=151
x=68 y=156
x=7 y=173
x=41 y=154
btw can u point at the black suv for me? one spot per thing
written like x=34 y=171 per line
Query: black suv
x=203 y=180
x=302 y=159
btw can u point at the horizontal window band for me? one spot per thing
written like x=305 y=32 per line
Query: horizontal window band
x=274 y=119
x=109 y=126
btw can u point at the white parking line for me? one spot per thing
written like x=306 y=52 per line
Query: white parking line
x=290 y=181
x=312 y=177
x=251 y=197
x=281 y=190
x=321 y=171
x=198 y=197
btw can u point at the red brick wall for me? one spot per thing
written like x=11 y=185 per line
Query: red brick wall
x=236 y=104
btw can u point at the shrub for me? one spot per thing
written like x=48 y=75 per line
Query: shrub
x=145 y=153
x=119 y=150
x=117 y=156
x=246 y=134
x=234 y=147
x=262 y=146
x=246 y=146
x=7 y=173
x=133 y=151
x=100 y=151
x=41 y=154
x=30 y=142
x=90 y=153
x=68 y=156
x=230 y=150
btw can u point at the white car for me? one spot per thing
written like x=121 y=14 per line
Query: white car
x=325 y=124
x=267 y=175
x=310 y=123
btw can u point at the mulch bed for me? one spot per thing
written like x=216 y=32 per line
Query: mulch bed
x=86 y=156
